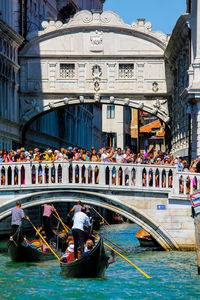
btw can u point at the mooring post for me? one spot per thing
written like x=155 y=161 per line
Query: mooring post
x=197 y=238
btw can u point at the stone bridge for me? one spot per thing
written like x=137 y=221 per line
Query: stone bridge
x=153 y=196
x=75 y=64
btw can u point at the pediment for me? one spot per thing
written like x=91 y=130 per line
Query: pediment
x=91 y=34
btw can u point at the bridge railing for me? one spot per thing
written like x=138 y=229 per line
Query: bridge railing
x=93 y=173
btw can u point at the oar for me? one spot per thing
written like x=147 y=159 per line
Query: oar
x=102 y=217
x=109 y=240
x=44 y=241
x=59 y=218
x=125 y=258
x=64 y=225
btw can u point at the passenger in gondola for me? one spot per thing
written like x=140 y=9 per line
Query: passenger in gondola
x=89 y=245
x=42 y=245
x=17 y=216
x=79 y=235
x=69 y=250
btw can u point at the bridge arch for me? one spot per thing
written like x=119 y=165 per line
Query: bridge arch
x=106 y=201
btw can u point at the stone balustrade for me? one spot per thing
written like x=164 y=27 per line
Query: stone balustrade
x=135 y=176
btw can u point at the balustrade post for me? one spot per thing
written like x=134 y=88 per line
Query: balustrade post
x=65 y=171
x=160 y=177
x=101 y=174
x=117 y=176
x=73 y=172
x=175 y=181
x=110 y=175
x=138 y=176
x=147 y=177
x=154 y=178
x=28 y=172
x=184 y=184
x=13 y=175
x=36 y=173
x=56 y=173
x=167 y=178
x=6 y=175
x=43 y=174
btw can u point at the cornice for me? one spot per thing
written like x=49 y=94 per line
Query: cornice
x=6 y=30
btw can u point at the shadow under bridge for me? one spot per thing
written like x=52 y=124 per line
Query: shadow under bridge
x=95 y=199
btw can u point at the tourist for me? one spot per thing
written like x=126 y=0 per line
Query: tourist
x=79 y=235
x=69 y=250
x=17 y=216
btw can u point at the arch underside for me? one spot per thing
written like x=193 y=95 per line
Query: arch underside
x=92 y=198
x=155 y=106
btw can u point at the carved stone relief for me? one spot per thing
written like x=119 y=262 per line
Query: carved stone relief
x=96 y=40
x=96 y=73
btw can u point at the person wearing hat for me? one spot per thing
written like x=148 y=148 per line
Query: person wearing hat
x=69 y=250
x=69 y=154
x=49 y=156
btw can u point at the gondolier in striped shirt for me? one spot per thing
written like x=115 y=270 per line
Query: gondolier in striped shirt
x=79 y=235
x=17 y=216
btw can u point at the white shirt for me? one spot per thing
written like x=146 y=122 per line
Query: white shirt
x=80 y=220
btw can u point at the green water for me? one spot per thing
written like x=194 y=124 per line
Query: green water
x=174 y=275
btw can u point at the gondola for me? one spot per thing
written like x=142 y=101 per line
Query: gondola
x=145 y=239
x=21 y=250
x=92 y=265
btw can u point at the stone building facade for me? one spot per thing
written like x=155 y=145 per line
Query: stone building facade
x=183 y=55
x=59 y=128
x=10 y=42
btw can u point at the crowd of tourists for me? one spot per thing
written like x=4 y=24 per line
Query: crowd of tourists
x=103 y=155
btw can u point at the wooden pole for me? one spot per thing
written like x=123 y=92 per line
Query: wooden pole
x=44 y=241
x=59 y=218
x=109 y=240
x=125 y=259
x=101 y=217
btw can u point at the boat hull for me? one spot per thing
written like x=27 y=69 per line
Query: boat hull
x=91 y=266
x=21 y=251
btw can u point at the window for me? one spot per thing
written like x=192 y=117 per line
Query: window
x=126 y=70
x=67 y=70
x=110 y=112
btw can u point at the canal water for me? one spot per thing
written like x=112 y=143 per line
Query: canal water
x=173 y=275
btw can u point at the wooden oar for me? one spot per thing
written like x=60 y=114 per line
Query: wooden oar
x=102 y=217
x=59 y=218
x=125 y=259
x=109 y=240
x=64 y=225
x=44 y=241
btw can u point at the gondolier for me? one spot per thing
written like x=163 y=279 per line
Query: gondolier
x=79 y=235
x=46 y=219
x=17 y=216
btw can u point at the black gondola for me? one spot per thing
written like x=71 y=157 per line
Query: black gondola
x=20 y=250
x=92 y=265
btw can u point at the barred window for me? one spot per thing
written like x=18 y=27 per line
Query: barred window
x=67 y=70
x=126 y=70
